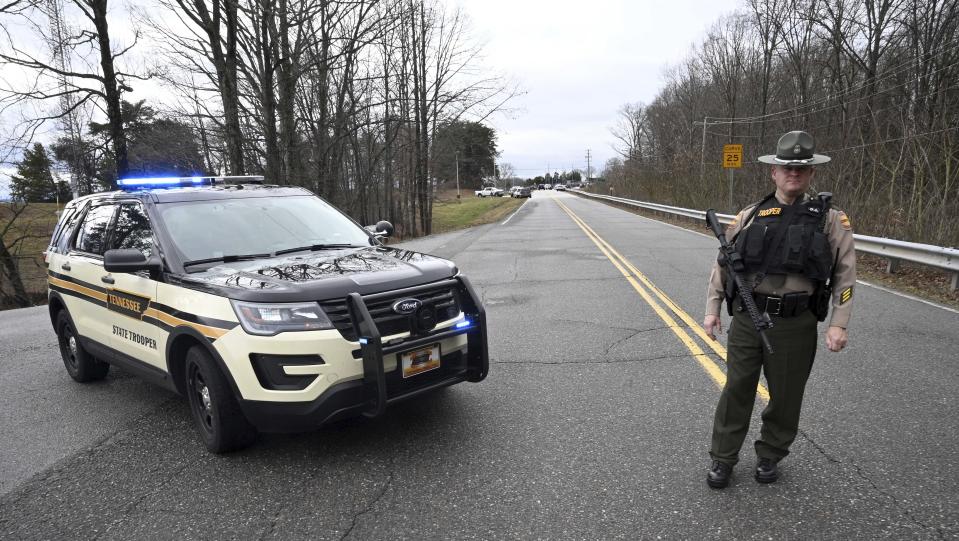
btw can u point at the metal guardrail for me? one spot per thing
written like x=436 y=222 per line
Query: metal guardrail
x=891 y=249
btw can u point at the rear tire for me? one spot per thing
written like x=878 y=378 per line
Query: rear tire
x=216 y=412
x=81 y=366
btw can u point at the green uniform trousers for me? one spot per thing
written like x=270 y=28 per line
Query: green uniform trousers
x=794 y=342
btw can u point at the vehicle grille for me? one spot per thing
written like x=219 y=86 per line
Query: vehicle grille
x=444 y=300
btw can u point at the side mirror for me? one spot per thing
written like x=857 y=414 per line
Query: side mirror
x=381 y=229
x=130 y=260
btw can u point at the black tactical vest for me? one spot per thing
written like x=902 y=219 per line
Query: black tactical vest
x=803 y=248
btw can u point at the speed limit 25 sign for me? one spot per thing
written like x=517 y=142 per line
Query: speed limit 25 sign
x=732 y=156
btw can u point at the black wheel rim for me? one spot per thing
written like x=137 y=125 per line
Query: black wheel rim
x=69 y=347
x=200 y=399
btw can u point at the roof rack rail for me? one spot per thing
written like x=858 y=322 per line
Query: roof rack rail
x=238 y=179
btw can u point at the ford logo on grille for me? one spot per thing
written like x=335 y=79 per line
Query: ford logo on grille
x=407 y=306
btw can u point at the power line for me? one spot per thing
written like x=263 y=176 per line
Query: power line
x=893 y=140
x=846 y=120
x=735 y=120
x=750 y=120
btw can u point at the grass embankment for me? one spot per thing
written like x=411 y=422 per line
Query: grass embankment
x=35 y=225
x=450 y=214
x=921 y=281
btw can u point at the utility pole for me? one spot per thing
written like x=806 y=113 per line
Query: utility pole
x=702 y=159
x=589 y=174
x=457 y=175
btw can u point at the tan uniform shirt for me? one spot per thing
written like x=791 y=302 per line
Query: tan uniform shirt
x=844 y=276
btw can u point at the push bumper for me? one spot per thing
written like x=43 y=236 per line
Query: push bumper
x=370 y=395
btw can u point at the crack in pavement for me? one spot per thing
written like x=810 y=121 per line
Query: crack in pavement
x=596 y=323
x=549 y=281
x=22 y=491
x=356 y=516
x=862 y=475
x=32 y=348
x=132 y=506
x=637 y=332
x=272 y=530
x=596 y=361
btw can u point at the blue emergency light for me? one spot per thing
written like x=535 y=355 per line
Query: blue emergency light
x=147 y=183
x=462 y=324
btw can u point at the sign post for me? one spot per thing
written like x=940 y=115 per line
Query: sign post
x=732 y=160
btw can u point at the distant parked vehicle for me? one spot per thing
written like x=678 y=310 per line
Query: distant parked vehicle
x=549 y=187
x=489 y=191
x=560 y=187
x=520 y=192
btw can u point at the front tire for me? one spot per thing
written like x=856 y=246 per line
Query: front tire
x=81 y=366
x=216 y=412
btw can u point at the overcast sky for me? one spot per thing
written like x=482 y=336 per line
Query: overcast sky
x=579 y=62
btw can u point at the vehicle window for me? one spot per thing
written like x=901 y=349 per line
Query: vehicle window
x=207 y=229
x=64 y=224
x=133 y=230
x=93 y=230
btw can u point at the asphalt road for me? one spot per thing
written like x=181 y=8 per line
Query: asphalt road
x=593 y=423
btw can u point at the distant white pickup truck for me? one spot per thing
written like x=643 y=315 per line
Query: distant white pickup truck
x=489 y=191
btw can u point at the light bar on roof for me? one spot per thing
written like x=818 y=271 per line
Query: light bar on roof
x=146 y=183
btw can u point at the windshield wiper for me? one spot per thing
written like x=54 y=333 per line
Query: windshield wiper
x=315 y=248
x=224 y=259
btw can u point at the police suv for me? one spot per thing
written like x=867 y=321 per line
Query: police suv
x=267 y=307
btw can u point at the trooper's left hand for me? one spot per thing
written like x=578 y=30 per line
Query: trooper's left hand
x=836 y=338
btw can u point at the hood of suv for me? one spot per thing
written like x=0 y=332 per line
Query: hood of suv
x=328 y=274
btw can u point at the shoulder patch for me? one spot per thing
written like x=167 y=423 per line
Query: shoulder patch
x=845 y=296
x=844 y=221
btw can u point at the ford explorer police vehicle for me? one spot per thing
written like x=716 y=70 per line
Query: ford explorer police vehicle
x=267 y=307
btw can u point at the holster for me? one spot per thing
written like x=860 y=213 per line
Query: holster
x=822 y=297
x=730 y=291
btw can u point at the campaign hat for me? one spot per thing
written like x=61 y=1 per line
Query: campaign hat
x=795 y=148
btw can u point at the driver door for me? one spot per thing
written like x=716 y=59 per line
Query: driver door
x=131 y=296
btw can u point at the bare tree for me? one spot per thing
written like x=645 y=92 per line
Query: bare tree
x=49 y=81
x=873 y=81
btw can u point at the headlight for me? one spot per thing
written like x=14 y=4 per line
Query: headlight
x=271 y=319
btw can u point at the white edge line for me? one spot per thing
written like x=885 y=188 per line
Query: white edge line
x=510 y=217
x=887 y=290
x=910 y=297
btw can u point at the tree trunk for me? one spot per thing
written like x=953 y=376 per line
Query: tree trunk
x=111 y=90
x=12 y=271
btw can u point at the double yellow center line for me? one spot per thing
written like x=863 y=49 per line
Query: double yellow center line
x=647 y=290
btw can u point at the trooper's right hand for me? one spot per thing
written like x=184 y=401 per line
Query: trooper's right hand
x=713 y=325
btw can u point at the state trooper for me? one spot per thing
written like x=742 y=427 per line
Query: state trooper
x=796 y=249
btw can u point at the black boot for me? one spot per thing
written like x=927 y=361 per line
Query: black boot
x=766 y=471
x=718 y=476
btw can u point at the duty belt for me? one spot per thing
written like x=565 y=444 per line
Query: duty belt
x=788 y=305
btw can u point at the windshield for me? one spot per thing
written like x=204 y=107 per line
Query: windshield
x=263 y=225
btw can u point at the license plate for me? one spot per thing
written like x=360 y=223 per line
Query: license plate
x=421 y=360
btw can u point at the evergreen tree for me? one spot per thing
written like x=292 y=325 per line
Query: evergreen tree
x=34 y=181
x=471 y=143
